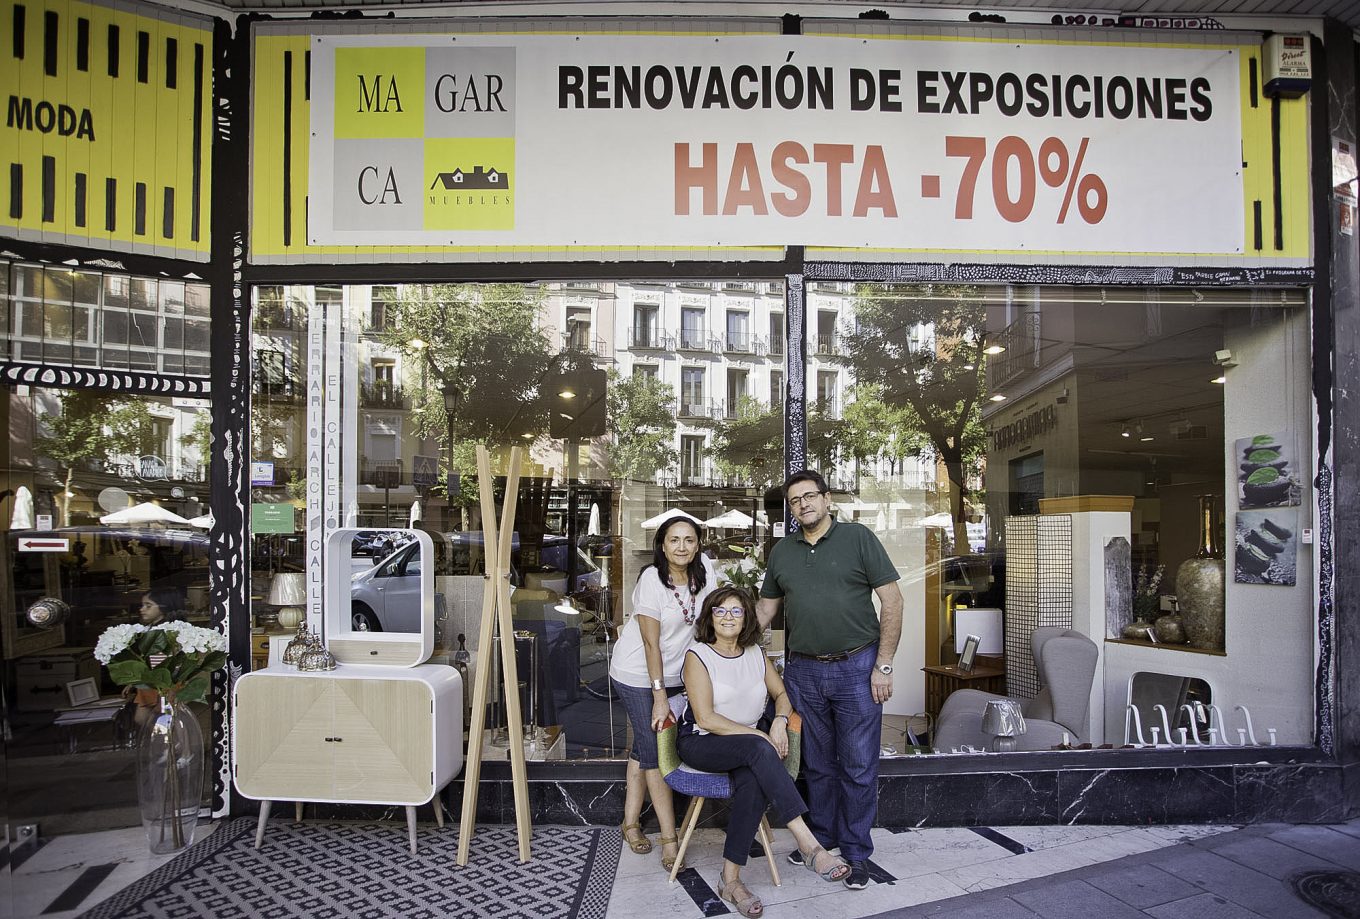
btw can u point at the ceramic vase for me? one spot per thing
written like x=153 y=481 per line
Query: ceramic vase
x=170 y=776
x=1170 y=629
x=1199 y=585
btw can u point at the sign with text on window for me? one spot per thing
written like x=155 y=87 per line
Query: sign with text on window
x=1014 y=146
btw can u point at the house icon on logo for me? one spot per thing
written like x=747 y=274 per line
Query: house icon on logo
x=480 y=177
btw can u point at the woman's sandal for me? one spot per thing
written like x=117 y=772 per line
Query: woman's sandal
x=836 y=872
x=640 y=844
x=669 y=862
x=749 y=906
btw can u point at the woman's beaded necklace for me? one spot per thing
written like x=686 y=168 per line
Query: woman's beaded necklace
x=687 y=611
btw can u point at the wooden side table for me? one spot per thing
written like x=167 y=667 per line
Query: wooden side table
x=942 y=680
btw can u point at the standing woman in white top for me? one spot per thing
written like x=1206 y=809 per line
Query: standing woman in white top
x=730 y=682
x=645 y=670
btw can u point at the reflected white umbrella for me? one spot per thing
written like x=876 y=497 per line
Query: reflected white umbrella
x=142 y=514
x=22 y=518
x=881 y=521
x=593 y=527
x=414 y=517
x=941 y=519
x=203 y=522
x=651 y=523
x=730 y=520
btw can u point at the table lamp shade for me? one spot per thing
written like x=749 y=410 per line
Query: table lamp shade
x=1002 y=718
x=289 y=588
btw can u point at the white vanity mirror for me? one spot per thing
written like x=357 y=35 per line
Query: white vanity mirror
x=379 y=597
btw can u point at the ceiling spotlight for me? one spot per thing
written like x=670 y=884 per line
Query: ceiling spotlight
x=567 y=393
x=1125 y=432
x=1219 y=380
x=993 y=349
x=1145 y=438
x=997 y=397
x=970 y=366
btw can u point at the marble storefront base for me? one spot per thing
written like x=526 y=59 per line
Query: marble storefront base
x=1117 y=787
x=1100 y=787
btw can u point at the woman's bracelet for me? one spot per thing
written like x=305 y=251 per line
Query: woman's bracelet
x=658 y=686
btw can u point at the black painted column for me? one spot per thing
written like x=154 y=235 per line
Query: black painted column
x=795 y=381
x=1337 y=335
x=230 y=375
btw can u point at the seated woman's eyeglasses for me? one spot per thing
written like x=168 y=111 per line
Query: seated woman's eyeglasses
x=728 y=612
x=800 y=500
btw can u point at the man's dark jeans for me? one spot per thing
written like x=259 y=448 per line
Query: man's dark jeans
x=842 y=731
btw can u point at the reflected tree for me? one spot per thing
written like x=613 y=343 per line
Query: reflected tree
x=478 y=360
x=91 y=430
x=641 y=418
x=932 y=384
x=874 y=429
x=750 y=447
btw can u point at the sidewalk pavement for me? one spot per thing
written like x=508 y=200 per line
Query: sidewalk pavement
x=1272 y=871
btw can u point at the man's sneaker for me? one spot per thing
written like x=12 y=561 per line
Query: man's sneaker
x=796 y=857
x=858 y=878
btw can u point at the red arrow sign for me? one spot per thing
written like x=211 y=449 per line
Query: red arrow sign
x=29 y=544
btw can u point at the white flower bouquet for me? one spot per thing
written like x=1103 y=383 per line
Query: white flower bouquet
x=174 y=659
x=748 y=572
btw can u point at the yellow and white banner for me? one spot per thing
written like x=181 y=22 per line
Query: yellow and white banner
x=443 y=140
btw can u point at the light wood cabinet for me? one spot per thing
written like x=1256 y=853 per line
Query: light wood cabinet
x=356 y=734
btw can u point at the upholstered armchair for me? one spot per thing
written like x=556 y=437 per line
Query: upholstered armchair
x=1066 y=661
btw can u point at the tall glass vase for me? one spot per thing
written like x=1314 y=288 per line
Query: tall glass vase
x=170 y=776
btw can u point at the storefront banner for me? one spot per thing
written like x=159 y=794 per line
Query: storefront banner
x=707 y=141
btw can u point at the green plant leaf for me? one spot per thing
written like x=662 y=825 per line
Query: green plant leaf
x=160 y=678
x=195 y=690
x=214 y=661
x=125 y=673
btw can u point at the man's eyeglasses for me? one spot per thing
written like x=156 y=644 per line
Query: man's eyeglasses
x=800 y=500
x=728 y=612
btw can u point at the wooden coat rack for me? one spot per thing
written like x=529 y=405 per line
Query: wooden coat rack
x=496 y=616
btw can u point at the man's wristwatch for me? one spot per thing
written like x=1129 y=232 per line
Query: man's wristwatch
x=885 y=669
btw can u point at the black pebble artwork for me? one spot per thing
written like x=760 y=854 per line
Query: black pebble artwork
x=1266 y=547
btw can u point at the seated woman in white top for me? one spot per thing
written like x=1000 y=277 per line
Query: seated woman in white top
x=730 y=683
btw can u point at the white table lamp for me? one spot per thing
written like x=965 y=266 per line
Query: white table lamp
x=289 y=592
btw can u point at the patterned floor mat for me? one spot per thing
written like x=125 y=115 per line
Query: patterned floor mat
x=321 y=870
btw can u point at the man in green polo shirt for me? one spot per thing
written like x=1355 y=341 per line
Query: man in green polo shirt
x=839 y=669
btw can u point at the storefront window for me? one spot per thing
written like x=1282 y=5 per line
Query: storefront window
x=107 y=516
x=1131 y=465
x=1003 y=442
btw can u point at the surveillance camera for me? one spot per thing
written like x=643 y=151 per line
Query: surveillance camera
x=1224 y=358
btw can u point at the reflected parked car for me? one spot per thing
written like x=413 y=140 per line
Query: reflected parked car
x=386 y=597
